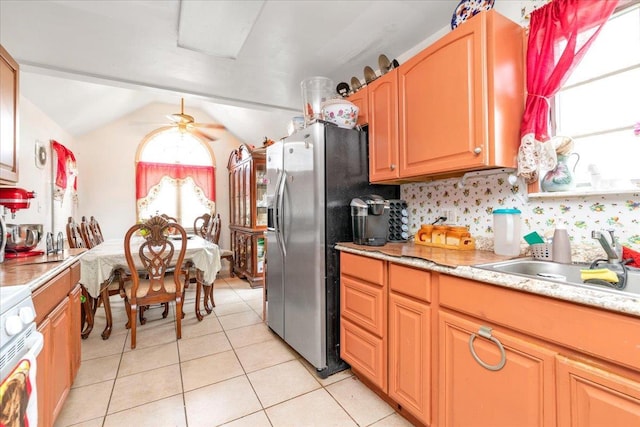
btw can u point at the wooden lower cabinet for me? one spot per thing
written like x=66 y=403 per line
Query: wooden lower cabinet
x=520 y=393
x=410 y=355
x=60 y=356
x=365 y=352
x=58 y=319
x=74 y=335
x=591 y=397
x=449 y=351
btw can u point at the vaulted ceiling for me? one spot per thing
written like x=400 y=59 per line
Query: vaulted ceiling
x=84 y=62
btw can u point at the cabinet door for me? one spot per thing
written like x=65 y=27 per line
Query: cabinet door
x=410 y=355
x=75 y=325
x=44 y=373
x=591 y=397
x=361 y=100
x=60 y=355
x=521 y=393
x=461 y=99
x=365 y=352
x=9 y=95
x=383 y=128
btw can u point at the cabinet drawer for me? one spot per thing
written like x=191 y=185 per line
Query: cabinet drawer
x=75 y=274
x=49 y=295
x=364 y=304
x=369 y=269
x=365 y=353
x=410 y=281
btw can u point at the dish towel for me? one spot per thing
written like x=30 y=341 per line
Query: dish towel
x=634 y=255
x=65 y=168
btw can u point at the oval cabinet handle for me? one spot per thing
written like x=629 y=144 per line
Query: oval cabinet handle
x=392 y=167
x=477 y=150
x=485 y=332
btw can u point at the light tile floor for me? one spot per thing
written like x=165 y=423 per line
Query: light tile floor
x=229 y=369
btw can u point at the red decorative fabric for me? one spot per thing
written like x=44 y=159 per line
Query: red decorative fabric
x=149 y=174
x=65 y=166
x=628 y=253
x=555 y=47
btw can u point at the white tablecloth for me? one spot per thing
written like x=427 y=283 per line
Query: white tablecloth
x=97 y=264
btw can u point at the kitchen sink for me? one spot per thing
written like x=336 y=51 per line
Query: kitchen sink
x=561 y=273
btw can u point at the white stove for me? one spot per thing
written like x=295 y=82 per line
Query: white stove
x=20 y=344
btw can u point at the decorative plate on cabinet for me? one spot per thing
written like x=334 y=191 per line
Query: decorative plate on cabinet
x=467 y=8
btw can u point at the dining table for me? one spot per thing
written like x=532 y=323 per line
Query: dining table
x=99 y=265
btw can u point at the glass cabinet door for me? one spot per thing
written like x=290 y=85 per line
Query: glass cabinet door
x=261 y=195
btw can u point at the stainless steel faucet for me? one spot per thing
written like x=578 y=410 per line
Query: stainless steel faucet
x=613 y=249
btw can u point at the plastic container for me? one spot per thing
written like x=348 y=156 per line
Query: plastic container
x=561 y=246
x=506 y=232
x=315 y=91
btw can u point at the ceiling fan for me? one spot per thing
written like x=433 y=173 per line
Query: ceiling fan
x=186 y=123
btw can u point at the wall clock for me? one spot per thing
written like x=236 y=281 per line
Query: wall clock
x=40 y=155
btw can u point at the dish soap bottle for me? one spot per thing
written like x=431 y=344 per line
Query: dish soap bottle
x=561 y=247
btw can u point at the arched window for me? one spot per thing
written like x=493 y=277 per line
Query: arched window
x=175 y=175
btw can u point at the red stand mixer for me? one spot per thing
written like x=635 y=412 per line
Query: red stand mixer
x=13 y=242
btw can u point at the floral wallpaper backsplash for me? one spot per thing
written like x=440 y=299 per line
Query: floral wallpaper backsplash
x=475 y=201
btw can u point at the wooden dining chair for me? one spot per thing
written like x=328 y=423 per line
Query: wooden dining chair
x=201 y=225
x=74 y=235
x=157 y=253
x=97 y=231
x=87 y=234
x=214 y=236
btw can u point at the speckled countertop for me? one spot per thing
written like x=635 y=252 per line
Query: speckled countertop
x=460 y=263
x=37 y=270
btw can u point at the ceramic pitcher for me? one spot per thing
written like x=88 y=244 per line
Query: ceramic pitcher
x=561 y=178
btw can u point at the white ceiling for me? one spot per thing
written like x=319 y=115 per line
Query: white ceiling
x=85 y=63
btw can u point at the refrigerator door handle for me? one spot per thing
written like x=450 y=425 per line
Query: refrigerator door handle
x=280 y=213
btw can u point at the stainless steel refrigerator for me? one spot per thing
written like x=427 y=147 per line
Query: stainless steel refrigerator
x=312 y=176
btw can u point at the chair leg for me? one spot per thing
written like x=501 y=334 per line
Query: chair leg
x=141 y=311
x=133 y=323
x=165 y=312
x=231 y=267
x=179 y=303
x=127 y=307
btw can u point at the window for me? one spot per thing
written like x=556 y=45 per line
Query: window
x=600 y=102
x=175 y=175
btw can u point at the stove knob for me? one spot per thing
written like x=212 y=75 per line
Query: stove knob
x=27 y=315
x=13 y=325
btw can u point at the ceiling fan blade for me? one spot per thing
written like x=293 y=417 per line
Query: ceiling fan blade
x=209 y=125
x=202 y=135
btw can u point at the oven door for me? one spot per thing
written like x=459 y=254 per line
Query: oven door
x=18 y=394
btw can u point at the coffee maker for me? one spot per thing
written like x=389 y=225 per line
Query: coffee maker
x=370 y=220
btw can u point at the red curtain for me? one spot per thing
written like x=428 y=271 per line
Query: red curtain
x=555 y=47
x=150 y=174
x=65 y=168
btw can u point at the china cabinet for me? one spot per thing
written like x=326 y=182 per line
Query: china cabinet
x=9 y=78
x=248 y=212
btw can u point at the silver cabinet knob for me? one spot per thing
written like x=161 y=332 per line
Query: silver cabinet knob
x=477 y=150
x=392 y=167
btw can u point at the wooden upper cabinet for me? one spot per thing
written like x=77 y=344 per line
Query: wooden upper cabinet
x=461 y=99
x=383 y=128
x=9 y=79
x=361 y=100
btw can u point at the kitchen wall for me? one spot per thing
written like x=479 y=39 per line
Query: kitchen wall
x=35 y=126
x=475 y=201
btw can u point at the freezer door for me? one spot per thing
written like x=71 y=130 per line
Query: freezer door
x=275 y=261
x=304 y=237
